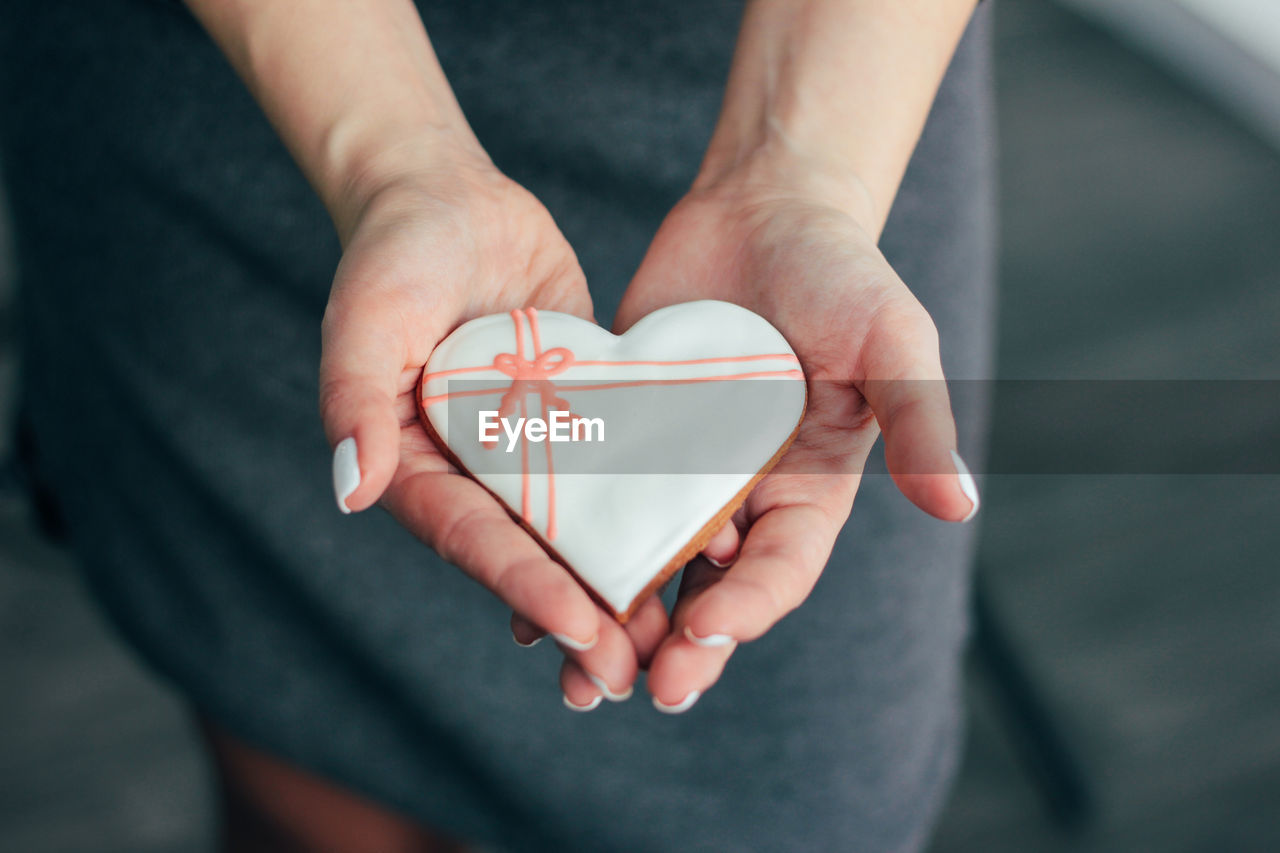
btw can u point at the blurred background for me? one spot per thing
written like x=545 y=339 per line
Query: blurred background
x=1124 y=691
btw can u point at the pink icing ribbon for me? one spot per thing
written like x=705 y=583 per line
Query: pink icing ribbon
x=532 y=377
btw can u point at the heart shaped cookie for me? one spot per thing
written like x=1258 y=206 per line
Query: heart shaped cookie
x=622 y=455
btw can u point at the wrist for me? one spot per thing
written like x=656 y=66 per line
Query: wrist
x=354 y=90
x=428 y=164
x=831 y=95
x=772 y=170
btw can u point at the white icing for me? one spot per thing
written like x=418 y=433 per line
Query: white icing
x=623 y=507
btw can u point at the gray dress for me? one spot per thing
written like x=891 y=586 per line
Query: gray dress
x=174 y=267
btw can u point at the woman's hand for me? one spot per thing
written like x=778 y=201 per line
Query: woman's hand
x=825 y=102
x=795 y=252
x=425 y=252
x=433 y=235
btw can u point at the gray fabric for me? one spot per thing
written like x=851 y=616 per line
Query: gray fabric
x=174 y=268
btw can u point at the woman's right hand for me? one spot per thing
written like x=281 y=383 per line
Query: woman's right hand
x=433 y=235
x=425 y=250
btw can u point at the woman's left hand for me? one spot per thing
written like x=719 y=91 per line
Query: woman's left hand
x=804 y=261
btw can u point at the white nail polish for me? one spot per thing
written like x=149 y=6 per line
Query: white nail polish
x=529 y=645
x=570 y=642
x=680 y=707
x=590 y=706
x=711 y=641
x=967 y=484
x=346 y=472
x=609 y=694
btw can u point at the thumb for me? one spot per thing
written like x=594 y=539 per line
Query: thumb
x=904 y=385
x=363 y=353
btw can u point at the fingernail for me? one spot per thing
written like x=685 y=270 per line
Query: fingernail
x=609 y=694
x=711 y=641
x=590 y=706
x=713 y=561
x=529 y=644
x=576 y=645
x=680 y=707
x=967 y=484
x=346 y=472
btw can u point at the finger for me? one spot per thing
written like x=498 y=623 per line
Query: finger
x=905 y=388
x=685 y=665
x=613 y=662
x=468 y=528
x=610 y=664
x=566 y=292
x=780 y=561
x=363 y=355
x=524 y=632
x=647 y=628
x=580 y=694
x=723 y=547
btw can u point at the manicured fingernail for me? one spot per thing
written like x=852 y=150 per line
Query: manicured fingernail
x=529 y=644
x=576 y=645
x=608 y=693
x=967 y=485
x=680 y=707
x=590 y=706
x=346 y=472
x=711 y=641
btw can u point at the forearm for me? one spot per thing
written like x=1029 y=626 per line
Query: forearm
x=836 y=89
x=353 y=88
